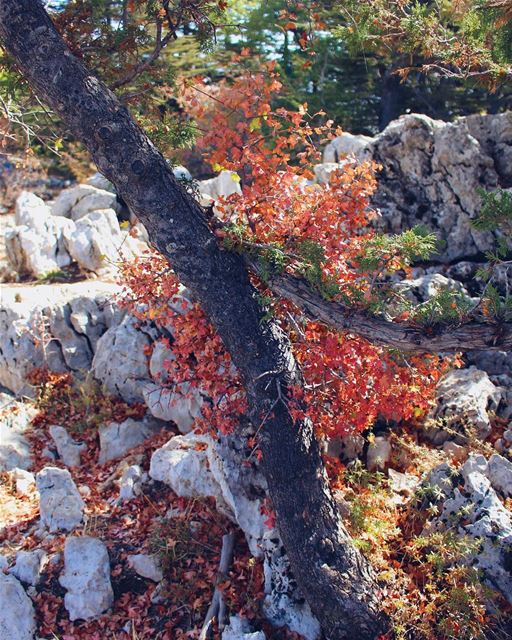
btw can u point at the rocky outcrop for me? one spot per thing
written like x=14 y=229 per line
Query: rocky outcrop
x=196 y=466
x=54 y=326
x=36 y=245
x=464 y=398
x=476 y=510
x=431 y=172
x=86 y=578
x=120 y=361
x=29 y=565
x=60 y=504
x=17 y=616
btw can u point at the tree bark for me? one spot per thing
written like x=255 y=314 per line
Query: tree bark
x=336 y=580
x=470 y=336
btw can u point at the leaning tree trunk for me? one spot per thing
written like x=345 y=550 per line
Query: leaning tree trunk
x=336 y=580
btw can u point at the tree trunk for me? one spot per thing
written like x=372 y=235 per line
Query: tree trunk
x=336 y=580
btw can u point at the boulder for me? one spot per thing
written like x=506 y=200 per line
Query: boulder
x=463 y=399
x=29 y=565
x=476 y=511
x=96 y=242
x=183 y=464
x=431 y=173
x=120 y=362
x=146 y=566
x=17 y=615
x=81 y=199
x=347 y=448
x=54 y=326
x=69 y=451
x=180 y=407
x=30 y=210
x=117 y=438
x=86 y=578
x=60 y=503
x=99 y=181
x=39 y=250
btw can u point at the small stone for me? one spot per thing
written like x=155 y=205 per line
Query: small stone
x=86 y=578
x=84 y=490
x=347 y=448
x=455 y=451
x=25 y=481
x=379 y=453
x=29 y=565
x=69 y=451
x=60 y=504
x=146 y=566
x=17 y=616
x=405 y=483
x=130 y=485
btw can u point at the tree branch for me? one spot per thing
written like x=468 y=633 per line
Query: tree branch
x=472 y=336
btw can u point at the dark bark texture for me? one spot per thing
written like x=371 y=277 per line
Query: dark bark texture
x=470 y=336
x=336 y=580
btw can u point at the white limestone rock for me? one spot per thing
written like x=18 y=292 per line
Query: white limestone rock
x=81 y=199
x=477 y=511
x=323 y=171
x=99 y=181
x=146 y=566
x=86 y=578
x=404 y=483
x=25 y=481
x=96 y=242
x=347 y=144
x=130 y=485
x=17 y=615
x=347 y=448
x=431 y=171
x=60 y=503
x=240 y=629
x=192 y=467
x=181 y=407
x=224 y=184
x=54 y=326
x=117 y=438
x=29 y=565
x=15 y=419
x=120 y=361
x=499 y=472
x=464 y=398
x=183 y=464
x=38 y=250
x=69 y=451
